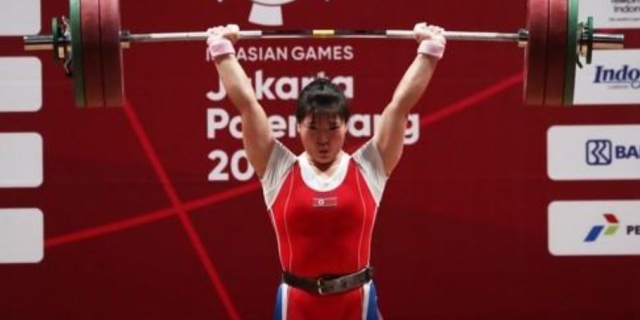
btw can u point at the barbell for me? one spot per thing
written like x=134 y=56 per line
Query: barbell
x=89 y=44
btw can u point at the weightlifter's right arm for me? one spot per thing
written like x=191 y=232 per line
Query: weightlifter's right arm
x=256 y=133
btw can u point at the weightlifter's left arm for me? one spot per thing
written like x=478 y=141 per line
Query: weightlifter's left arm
x=389 y=137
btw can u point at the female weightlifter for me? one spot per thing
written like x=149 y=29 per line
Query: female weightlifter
x=323 y=202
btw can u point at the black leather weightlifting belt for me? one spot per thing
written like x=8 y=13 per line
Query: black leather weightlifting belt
x=329 y=284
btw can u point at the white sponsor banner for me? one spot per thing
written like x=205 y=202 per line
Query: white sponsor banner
x=19 y=17
x=596 y=228
x=612 y=14
x=606 y=152
x=21 y=235
x=20 y=84
x=612 y=78
x=267 y=12
x=21 y=160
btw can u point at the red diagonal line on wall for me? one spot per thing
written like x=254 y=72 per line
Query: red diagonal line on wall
x=472 y=99
x=146 y=218
x=250 y=187
x=110 y=228
x=223 y=196
x=182 y=213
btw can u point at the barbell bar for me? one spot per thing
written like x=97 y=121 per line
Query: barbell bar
x=90 y=44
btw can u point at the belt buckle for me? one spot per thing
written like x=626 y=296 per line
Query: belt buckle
x=320 y=285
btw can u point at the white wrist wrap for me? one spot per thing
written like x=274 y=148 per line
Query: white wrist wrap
x=431 y=48
x=218 y=47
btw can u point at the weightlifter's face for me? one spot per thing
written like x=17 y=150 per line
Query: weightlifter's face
x=322 y=137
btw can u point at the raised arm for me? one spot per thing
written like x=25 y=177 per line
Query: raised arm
x=256 y=133
x=389 y=138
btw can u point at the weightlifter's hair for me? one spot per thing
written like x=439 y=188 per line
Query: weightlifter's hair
x=322 y=96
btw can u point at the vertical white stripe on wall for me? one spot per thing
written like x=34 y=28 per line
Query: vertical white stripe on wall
x=21 y=235
x=21 y=160
x=19 y=17
x=20 y=84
